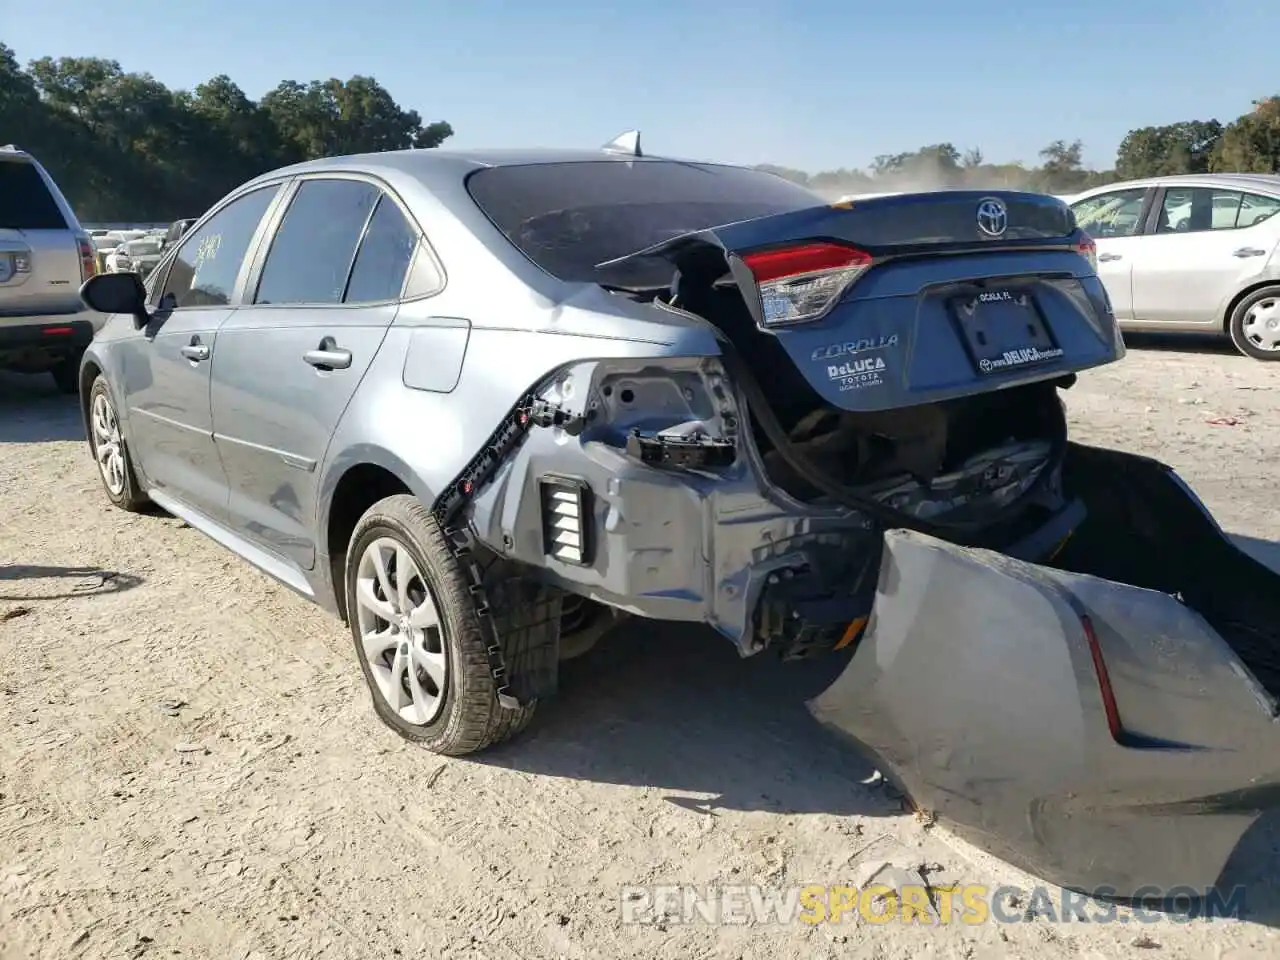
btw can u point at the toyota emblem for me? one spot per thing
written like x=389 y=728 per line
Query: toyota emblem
x=993 y=217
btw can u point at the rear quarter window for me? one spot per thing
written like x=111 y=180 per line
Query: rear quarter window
x=25 y=201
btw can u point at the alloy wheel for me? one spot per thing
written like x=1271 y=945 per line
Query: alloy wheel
x=108 y=448
x=401 y=634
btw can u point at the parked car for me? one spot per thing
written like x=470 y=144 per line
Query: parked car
x=45 y=255
x=1191 y=254
x=176 y=231
x=481 y=404
x=139 y=256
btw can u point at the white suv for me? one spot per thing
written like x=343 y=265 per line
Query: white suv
x=45 y=255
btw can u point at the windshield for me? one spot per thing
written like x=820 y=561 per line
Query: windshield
x=567 y=217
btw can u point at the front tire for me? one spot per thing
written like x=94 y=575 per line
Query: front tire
x=417 y=636
x=1255 y=324
x=110 y=452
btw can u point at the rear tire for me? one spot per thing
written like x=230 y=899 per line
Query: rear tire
x=1250 y=324
x=66 y=374
x=417 y=635
x=111 y=451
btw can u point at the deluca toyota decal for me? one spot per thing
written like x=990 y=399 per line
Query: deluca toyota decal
x=1019 y=358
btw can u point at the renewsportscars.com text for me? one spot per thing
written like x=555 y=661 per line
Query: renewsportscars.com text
x=969 y=904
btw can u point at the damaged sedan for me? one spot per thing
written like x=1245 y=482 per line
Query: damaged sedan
x=484 y=406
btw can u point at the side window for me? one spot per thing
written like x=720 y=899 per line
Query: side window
x=384 y=256
x=204 y=271
x=1197 y=209
x=1114 y=214
x=1225 y=209
x=1255 y=208
x=310 y=257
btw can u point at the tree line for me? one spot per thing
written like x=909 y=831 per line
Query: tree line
x=1248 y=144
x=123 y=146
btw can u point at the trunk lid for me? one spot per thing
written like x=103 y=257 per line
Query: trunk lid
x=914 y=298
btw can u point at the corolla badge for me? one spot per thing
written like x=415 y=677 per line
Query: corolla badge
x=993 y=217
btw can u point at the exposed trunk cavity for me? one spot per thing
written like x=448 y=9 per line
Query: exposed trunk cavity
x=970 y=460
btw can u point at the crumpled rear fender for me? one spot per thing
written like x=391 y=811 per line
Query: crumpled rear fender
x=977 y=689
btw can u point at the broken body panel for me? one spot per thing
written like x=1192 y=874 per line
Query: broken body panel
x=1113 y=737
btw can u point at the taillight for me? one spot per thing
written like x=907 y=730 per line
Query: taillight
x=801 y=283
x=88 y=260
x=1089 y=250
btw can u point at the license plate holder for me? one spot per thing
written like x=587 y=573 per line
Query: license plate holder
x=1002 y=330
x=6 y=268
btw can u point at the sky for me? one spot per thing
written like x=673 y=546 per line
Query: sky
x=810 y=84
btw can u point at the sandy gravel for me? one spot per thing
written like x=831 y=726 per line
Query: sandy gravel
x=189 y=766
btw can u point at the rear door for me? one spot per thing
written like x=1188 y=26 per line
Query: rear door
x=1114 y=220
x=39 y=252
x=1205 y=245
x=291 y=358
x=164 y=369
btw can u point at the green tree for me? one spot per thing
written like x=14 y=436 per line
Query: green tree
x=1252 y=143
x=1175 y=148
x=125 y=147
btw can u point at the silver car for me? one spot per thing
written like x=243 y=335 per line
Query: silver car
x=485 y=405
x=1191 y=254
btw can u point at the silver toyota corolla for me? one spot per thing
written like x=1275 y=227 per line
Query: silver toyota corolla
x=485 y=405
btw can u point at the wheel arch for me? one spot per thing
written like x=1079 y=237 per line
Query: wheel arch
x=353 y=482
x=1245 y=292
x=90 y=370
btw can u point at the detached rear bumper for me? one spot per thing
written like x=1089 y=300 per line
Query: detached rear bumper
x=978 y=689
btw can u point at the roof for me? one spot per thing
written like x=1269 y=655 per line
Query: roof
x=428 y=164
x=1240 y=181
x=413 y=161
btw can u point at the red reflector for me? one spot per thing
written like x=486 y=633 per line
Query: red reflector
x=57 y=331
x=1104 y=680
x=767 y=265
x=1089 y=250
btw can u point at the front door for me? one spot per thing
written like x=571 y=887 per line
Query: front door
x=291 y=359
x=165 y=367
x=1114 y=221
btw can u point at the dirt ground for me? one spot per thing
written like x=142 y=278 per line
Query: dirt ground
x=189 y=765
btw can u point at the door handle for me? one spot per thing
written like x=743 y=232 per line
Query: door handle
x=195 y=350
x=328 y=356
x=1108 y=257
x=1249 y=252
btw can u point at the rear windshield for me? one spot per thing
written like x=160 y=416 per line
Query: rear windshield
x=25 y=202
x=567 y=217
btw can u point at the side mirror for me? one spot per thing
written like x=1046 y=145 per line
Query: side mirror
x=117 y=293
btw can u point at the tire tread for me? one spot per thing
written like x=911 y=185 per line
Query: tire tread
x=476 y=719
